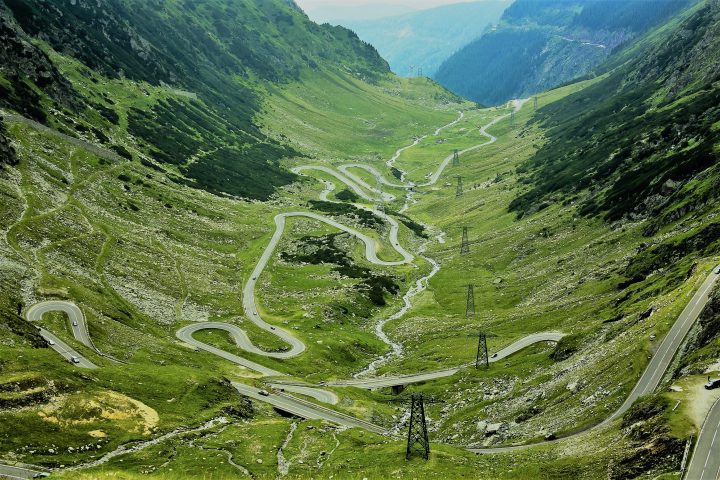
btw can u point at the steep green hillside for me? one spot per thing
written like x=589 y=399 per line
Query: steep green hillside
x=540 y=44
x=101 y=208
x=425 y=39
x=654 y=130
x=100 y=204
x=652 y=153
x=221 y=54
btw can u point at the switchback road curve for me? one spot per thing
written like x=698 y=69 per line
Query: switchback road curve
x=646 y=384
x=77 y=324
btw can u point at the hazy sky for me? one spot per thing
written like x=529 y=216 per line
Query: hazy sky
x=338 y=10
x=410 y=4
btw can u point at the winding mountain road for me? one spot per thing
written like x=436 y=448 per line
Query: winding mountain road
x=656 y=369
x=77 y=324
x=660 y=362
x=381 y=382
x=307 y=410
x=705 y=462
x=647 y=383
x=296 y=346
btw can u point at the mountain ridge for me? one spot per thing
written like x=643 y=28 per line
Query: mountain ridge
x=544 y=43
x=209 y=50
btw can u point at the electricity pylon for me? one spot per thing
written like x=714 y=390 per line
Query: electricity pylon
x=456 y=158
x=417 y=433
x=482 y=357
x=459 y=189
x=470 y=305
x=465 y=243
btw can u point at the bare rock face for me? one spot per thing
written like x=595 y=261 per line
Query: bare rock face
x=24 y=64
x=7 y=152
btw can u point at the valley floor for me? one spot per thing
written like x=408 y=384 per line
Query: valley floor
x=300 y=294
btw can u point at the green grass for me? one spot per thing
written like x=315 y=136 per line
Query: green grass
x=143 y=256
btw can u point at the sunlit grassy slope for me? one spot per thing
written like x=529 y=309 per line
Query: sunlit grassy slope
x=143 y=256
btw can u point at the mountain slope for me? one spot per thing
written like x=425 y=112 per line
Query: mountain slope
x=540 y=44
x=427 y=38
x=654 y=129
x=112 y=136
x=652 y=151
x=94 y=215
x=214 y=51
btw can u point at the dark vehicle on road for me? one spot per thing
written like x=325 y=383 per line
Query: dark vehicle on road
x=712 y=384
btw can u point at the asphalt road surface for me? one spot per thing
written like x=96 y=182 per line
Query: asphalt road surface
x=705 y=461
x=241 y=339
x=301 y=408
x=77 y=324
x=185 y=334
x=664 y=355
x=657 y=367
x=75 y=315
x=13 y=472
x=425 y=376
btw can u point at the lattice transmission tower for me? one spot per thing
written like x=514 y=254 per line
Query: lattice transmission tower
x=470 y=304
x=482 y=358
x=418 y=442
x=459 y=189
x=465 y=242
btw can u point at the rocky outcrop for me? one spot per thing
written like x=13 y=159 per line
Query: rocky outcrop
x=652 y=447
x=23 y=65
x=7 y=152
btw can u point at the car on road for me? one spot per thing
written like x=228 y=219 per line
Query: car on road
x=717 y=269
x=41 y=475
x=272 y=328
x=74 y=359
x=254 y=278
x=712 y=384
x=75 y=324
x=494 y=355
x=264 y=393
x=50 y=342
